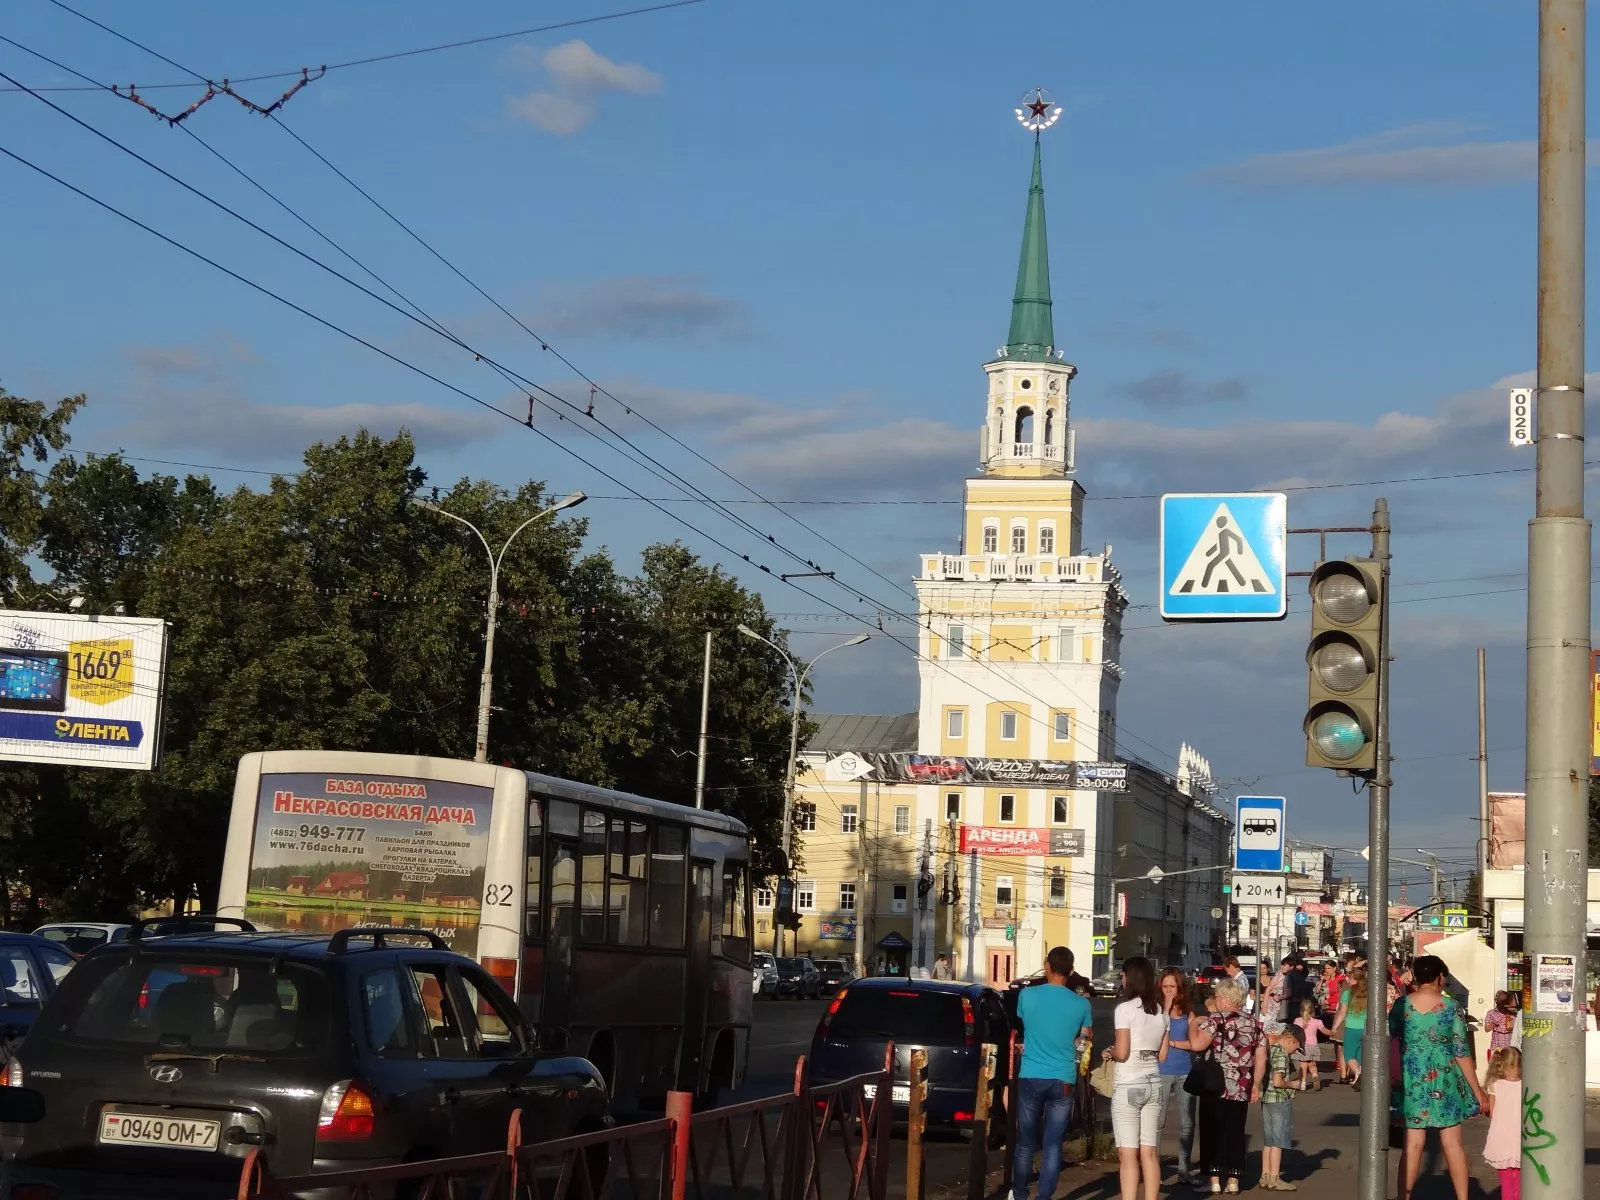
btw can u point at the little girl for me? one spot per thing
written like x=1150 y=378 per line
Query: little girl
x=1502 y=1150
x=1310 y=1058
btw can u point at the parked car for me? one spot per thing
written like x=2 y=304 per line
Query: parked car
x=31 y=969
x=80 y=937
x=798 y=978
x=163 y=1062
x=952 y=1021
x=763 y=975
x=835 y=973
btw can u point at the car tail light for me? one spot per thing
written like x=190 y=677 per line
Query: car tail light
x=503 y=971
x=144 y=996
x=833 y=1007
x=13 y=1075
x=348 y=1114
x=970 y=1020
x=963 y=1116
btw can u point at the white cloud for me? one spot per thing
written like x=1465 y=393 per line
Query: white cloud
x=636 y=306
x=1438 y=154
x=577 y=76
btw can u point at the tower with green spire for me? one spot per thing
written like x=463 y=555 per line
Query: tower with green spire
x=1027 y=433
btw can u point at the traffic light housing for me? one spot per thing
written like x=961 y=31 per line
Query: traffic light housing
x=1343 y=663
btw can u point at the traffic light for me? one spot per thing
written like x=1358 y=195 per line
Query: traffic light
x=1343 y=662
x=785 y=908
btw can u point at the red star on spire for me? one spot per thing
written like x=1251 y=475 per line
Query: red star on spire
x=1038 y=108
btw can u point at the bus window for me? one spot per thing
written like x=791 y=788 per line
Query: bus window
x=563 y=818
x=667 y=888
x=592 y=921
x=628 y=845
x=735 y=911
x=533 y=925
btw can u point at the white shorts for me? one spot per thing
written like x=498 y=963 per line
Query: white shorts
x=1138 y=1111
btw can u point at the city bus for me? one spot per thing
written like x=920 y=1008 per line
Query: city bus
x=620 y=921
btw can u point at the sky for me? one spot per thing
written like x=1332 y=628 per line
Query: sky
x=1292 y=247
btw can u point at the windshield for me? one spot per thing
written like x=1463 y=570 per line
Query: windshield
x=911 y=1016
x=790 y=966
x=80 y=939
x=831 y=966
x=204 y=1006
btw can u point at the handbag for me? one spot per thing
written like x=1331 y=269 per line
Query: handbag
x=1103 y=1078
x=1205 y=1076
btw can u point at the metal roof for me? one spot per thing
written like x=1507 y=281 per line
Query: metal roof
x=838 y=732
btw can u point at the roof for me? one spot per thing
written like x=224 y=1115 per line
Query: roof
x=872 y=731
x=902 y=984
x=1032 y=337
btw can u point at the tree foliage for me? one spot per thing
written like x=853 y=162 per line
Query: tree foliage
x=328 y=611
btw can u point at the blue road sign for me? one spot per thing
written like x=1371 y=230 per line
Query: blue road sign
x=1258 y=837
x=1224 y=556
x=1300 y=918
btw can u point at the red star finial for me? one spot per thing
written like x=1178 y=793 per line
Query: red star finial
x=1038 y=108
x=1038 y=111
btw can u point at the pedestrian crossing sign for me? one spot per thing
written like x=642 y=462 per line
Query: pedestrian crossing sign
x=1102 y=944
x=1224 y=556
x=1455 y=918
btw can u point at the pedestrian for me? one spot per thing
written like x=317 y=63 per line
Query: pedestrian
x=1502 y=1150
x=1275 y=1013
x=1499 y=1022
x=1235 y=972
x=1176 y=999
x=1350 y=1023
x=941 y=967
x=1234 y=1039
x=1055 y=1018
x=1277 y=1107
x=1138 y=1101
x=1309 y=1057
x=1437 y=1085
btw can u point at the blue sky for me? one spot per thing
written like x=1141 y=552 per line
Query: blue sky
x=1290 y=246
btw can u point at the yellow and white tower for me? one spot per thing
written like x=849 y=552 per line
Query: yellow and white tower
x=1020 y=637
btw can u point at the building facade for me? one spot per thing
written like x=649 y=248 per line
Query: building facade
x=1020 y=630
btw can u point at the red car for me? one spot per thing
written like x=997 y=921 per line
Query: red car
x=920 y=766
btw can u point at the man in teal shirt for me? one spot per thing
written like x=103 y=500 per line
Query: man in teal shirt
x=1053 y=1018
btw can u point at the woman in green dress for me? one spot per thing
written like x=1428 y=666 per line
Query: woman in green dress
x=1437 y=1085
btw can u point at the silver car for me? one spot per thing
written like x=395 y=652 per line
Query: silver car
x=763 y=975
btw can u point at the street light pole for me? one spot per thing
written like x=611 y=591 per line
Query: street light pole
x=486 y=681
x=798 y=675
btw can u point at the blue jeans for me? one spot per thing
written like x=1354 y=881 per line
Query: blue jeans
x=1188 y=1107
x=1051 y=1100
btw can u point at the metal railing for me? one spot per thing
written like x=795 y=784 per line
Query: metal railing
x=822 y=1142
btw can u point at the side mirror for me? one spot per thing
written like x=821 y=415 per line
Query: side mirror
x=553 y=1039
x=21 y=1106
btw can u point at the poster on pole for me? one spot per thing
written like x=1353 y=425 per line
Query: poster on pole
x=1555 y=984
x=1594 y=713
x=81 y=690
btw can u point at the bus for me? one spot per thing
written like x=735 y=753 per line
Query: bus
x=620 y=921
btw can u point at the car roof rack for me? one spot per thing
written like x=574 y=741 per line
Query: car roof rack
x=138 y=930
x=339 y=943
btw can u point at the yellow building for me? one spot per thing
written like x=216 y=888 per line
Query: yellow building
x=977 y=841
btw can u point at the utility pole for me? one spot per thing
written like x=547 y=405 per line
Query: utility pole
x=861 y=880
x=952 y=887
x=925 y=932
x=1483 y=771
x=1375 y=1046
x=705 y=715
x=1558 y=719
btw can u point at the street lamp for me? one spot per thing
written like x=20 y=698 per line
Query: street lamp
x=798 y=675
x=486 y=685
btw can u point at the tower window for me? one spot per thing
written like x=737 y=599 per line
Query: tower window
x=1050 y=427
x=955 y=723
x=1019 y=539
x=991 y=538
x=1067 y=644
x=1024 y=425
x=955 y=642
x=1047 y=539
x=1026 y=385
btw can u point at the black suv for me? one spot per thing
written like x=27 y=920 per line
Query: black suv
x=162 y=1062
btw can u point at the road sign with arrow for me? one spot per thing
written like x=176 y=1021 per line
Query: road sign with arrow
x=1266 y=891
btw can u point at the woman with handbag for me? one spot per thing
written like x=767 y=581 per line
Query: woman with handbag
x=1227 y=1077
x=1175 y=1067
x=1138 y=1101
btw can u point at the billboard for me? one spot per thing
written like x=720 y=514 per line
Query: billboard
x=79 y=690
x=886 y=767
x=1021 y=840
x=329 y=852
x=1594 y=713
x=1507 y=830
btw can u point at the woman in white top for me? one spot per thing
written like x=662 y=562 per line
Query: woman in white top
x=1138 y=1102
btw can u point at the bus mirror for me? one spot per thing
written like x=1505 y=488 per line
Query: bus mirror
x=554 y=1039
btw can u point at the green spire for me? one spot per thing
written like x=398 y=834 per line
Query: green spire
x=1032 y=332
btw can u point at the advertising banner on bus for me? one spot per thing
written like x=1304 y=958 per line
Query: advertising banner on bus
x=334 y=851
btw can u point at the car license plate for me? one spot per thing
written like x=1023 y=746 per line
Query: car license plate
x=900 y=1094
x=145 y=1129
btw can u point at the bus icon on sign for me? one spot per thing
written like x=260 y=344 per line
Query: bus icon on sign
x=1261 y=827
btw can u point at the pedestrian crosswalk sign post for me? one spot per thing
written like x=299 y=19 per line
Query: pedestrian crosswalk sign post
x=1455 y=918
x=1224 y=556
x=1102 y=944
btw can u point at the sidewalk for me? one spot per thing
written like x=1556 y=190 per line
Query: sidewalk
x=1323 y=1163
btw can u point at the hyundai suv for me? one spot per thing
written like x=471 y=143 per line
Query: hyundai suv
x=163 y=1061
